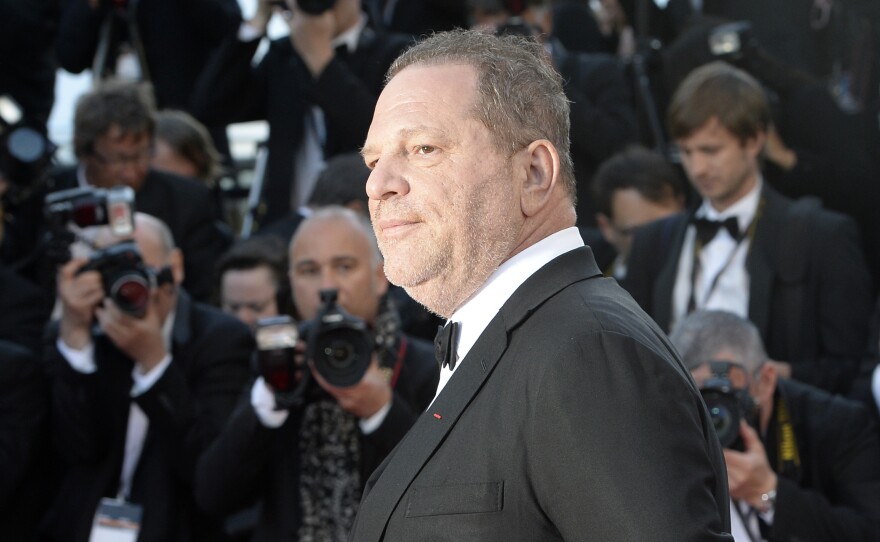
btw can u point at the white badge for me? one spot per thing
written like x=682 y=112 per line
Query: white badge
x=116 y=521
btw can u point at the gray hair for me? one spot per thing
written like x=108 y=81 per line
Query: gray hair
x=337 y=212
x=520 y=95
x=162 y=231
x=704 y=334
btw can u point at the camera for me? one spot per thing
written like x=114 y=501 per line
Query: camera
x=89 y=206
x=338 y=344
x=727 y=405
x=25 y=151
x=126 y=279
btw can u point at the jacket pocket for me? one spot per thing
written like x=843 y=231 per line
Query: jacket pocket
x=455 y=499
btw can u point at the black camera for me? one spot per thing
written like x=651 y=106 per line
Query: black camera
x=338 y=344
x=727 y=405
x=126 y=279
x=89 y=206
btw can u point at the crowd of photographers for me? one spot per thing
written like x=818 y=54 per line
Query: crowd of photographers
x=169 y=373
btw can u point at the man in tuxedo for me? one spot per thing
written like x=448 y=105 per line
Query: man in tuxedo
x=795 y=270
x=805 y=465
x=138 y=397
x=113 y=140
x=309 y=462
x=554 y=382
x=316 y=88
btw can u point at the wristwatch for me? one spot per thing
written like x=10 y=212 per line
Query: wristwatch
x=768 y=501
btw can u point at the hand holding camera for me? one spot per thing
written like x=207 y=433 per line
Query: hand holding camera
x=366 y=397
x=80 y=295
x=749 y=475
x=140 y=338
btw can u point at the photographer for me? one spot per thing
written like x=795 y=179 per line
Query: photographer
x=317 y=89
x=309 y=463
x=807 y=465
x=144 y=378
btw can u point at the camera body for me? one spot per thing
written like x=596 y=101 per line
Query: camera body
x=90 y=206
x=727 y=405
x=126 y=279
x=338 y=345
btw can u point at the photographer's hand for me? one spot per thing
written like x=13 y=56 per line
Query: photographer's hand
x=139 y=338
x=312 y=38
x=748 y=473
x=79 y=295
x=366 y=397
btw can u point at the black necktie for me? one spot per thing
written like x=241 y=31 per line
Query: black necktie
x=707 y=229
x=446 y=343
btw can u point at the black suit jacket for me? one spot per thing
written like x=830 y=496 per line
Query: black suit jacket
x=24 y=310
x=178 y=38
x=833 y=496
x=603 y=119
x=250 y=461
x=571 y=418
x=186 y=207
x=810 y=291
x=24 y=403
x=187 y=408
x=281 y=90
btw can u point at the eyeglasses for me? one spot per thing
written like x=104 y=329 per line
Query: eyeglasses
x=140 y=158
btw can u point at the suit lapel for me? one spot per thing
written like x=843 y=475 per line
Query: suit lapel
x=759 y=262
x=665 y=284
x=429 y=431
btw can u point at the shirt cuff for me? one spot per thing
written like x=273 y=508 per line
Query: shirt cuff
x=767 y=516
x=368 y=425
x=263 y=401
x=143 y=382
x=82 y=361
x=248 y=32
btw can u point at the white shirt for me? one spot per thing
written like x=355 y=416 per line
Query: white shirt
x=474 y=316
x=732 y=292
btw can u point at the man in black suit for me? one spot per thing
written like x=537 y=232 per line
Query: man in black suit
x=806 y=467
x=317 y=89
x=554 y=382
x=136 y=400
x=169 y=40
x=113 y=140
x=793 y=269
x=309 y=463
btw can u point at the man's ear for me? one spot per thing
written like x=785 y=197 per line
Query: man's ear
x=755 y=144
x=175 y=262
x=766 y=385
x=604 y=225
x=542 y=175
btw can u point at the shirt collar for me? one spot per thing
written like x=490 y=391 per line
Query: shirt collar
x=481 y=308
x=744 y=210
x=350 y=37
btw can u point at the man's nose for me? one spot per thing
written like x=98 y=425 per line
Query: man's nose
x=386 y=180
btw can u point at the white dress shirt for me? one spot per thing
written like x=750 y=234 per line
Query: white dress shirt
x=732 y=291
x=474 y=316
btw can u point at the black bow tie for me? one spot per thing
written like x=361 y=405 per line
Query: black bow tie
x=446 y=343
x=707 y=229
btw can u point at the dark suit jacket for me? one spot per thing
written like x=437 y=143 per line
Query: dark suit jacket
x=186 y=207
x=834 y=494
x=187 y=408
x=24 y=403
x=571 y=418
x=603 y=119
x=178 y=38
x=810 y=292
x=250 y=460
x=281 y=90
x=24 y=310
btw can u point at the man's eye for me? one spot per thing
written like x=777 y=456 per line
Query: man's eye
x=425 y=149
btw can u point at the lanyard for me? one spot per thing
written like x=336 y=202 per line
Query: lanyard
x=696 y=267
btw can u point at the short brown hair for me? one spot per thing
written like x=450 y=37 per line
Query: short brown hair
x=190 y=139
x=719 y=90
x=521 y=97
x=129 y=106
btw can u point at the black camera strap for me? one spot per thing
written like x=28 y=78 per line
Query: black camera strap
x=788 y=459
x=390 y=362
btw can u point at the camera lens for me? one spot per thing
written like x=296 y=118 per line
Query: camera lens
x=724 y=412
x=131 y=293
x=339 y=354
